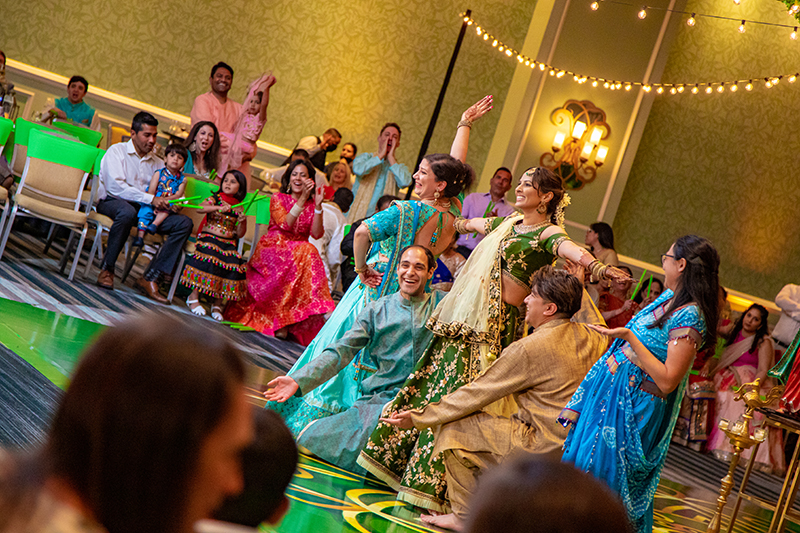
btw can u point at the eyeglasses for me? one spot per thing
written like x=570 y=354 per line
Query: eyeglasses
x=664 y=256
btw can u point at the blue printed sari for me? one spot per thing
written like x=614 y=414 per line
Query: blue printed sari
x=622 y=422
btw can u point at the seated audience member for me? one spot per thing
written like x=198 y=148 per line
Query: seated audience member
x=748 y=355
x=125 y=174
x=788 y=300
x=268 y=465
x=215 y=106
x=202 y=145
x=339 y=178
x=73 y=107
x=531 y=494
x=448 y=267
x=138 y=443
x=169 y=183
x=318 y=148
x=392 y=333
x=600 y=240
x=333 y=222
x=615 y=305
x=486 y=204
x=287 y=292
x=275 y=175
x=348 y=153
x=642 y=298
x=378 y=174
x=348 y=266
x=541 y=371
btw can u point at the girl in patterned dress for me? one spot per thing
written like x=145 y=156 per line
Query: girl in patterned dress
x=216 y=269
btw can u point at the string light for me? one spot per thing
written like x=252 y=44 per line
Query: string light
x=594 y=6
x=674 y=88
x=691 y=20
x=793 y=35
x=742 y=29
x=643 y=13
x=737 y=2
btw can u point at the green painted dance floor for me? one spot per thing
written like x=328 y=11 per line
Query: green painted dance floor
x=325 y=498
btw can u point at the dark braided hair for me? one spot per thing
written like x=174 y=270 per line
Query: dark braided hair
x=547 y=181
x=699 y=284
x=458 y=176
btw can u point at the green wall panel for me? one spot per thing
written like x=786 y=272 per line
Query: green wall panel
x=723 y=165
x=353 y=65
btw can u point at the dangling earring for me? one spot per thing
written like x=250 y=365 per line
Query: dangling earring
x=193 y=147
x=436 y=197
x=541 y=208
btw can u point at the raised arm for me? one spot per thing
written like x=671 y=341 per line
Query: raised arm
x=468 y=117
x=268 y=81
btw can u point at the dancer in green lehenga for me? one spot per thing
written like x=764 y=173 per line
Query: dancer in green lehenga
x=472 y=325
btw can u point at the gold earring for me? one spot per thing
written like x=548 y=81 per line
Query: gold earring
x=436 y=195
x=541 y=208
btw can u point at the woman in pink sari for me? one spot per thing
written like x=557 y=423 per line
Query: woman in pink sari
x=748 y=355
x=287 y=291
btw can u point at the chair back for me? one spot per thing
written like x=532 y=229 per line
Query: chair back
x=197 y=187
x=22 y=132
x=56 y=170
x=6 y=127
x=90 y=137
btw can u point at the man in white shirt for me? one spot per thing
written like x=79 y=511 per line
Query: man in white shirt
x=484 y=205
x=318 y=148
x=789 y=323
x=125 y=174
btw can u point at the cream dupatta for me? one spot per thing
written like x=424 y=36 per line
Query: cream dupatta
x=473 y=309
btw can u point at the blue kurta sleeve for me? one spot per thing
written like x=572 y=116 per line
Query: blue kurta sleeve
x=338 y=355
x=401 y=175
x=364 y=163
x=384 y=224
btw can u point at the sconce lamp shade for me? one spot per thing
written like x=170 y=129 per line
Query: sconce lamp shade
x=600 y=158
x=586 y=152
x=558 y=141
x=579 y=129
x=597 y=133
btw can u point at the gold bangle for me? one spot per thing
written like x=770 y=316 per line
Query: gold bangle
x=465 y=122
x=460 y=225
x=360 y=270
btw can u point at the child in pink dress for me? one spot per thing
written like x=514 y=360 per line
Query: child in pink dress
x=248 y=128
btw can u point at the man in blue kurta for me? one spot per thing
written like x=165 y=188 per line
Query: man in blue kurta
x=393 y=330
x=378 y=174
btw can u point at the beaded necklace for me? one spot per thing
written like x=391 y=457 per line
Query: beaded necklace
x=439 y=221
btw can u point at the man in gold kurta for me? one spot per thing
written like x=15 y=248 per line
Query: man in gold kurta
x=541 y=372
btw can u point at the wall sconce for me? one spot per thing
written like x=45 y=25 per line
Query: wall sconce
x=585 y=126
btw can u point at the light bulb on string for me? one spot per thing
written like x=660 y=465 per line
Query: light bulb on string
x=793 y=78
x=742 y=29
x=737 y=2
x=594 y=6
x=485 y=36
x=552 y=72
x=560 y=74
x=695 y=89
x=680 y=88
x=768 y=84
x=478 y=30
x=469 y=22
x=606 y=85
x=660 y=90
x=647 y=88
x=643 y=13
x=495 y=43
x=793 y=35
x=748 y=87
x=691 y=20
x=709 y=89
x=501 y=48
x=734 y=88
x=673 y=91
x=721 y=88
x=509 y=53
x=542 y=67
x=628 y=87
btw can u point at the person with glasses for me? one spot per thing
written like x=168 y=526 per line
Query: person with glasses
x=622 y=416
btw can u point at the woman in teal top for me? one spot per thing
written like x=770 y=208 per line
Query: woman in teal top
x=429 y=221
x=203 y=147
x=473 y=324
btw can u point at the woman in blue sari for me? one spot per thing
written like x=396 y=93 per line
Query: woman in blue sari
x=624 y=412
x=377 y=244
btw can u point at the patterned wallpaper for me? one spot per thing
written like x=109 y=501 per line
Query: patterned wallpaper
x=352 y=65
x=723 y=165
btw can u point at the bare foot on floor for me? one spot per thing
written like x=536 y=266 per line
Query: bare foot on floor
x=445 y=521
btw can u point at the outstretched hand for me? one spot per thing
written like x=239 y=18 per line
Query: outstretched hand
x=281 y=389
x=401 y=419
x=614 y=333
x=370 y=277
x=614 y=274
x=477 y=110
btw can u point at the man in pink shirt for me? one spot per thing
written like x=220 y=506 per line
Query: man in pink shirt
x=215 y=105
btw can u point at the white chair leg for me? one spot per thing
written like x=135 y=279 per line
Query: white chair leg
x=96 y=245
x=177 y=276
x=78 y=252
x=3 y=217
x=7 y=230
